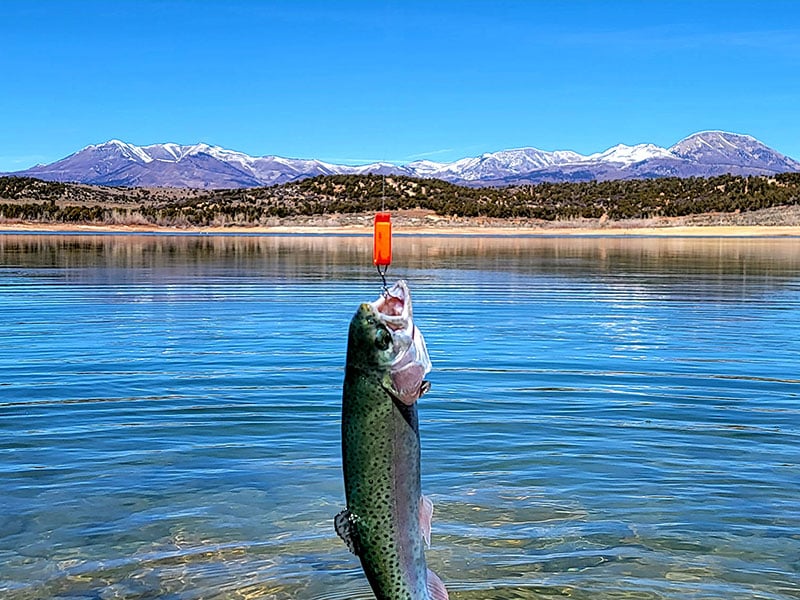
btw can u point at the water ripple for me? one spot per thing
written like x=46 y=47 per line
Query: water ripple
x=608 y=419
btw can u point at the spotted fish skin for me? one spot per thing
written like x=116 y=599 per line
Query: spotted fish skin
x=386 y=361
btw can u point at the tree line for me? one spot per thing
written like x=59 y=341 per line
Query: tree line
x=34 y=200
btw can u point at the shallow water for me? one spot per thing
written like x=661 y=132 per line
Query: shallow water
x=609 y=418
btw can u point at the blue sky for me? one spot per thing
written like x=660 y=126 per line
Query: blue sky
x=355 y=82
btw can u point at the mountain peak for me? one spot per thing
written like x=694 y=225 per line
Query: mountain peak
x=725 y=148
x=119 y=147
x=718 y=134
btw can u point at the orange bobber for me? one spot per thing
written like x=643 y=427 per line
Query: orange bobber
x=382 y=240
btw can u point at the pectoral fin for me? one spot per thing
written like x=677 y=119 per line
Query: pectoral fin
x=345 y=525
x=402 y=385
x=402 y=395
x=436 y=588
x=425 y=518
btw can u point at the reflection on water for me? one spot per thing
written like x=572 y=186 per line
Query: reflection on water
x=290 y=254
x=609 y=418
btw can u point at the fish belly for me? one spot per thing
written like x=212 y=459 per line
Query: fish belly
x=381 y=456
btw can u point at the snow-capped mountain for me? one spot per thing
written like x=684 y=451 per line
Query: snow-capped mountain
x=506 y=163
x=721 y=148
x=118 y=163
x=702 y=154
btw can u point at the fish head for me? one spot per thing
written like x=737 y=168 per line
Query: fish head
x=383 y=337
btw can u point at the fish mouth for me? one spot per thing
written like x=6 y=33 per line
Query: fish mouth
x=394 y=311
x=394 y=307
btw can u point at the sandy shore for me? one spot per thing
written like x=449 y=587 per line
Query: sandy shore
x=432 y=230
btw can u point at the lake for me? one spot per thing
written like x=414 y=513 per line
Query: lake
x=609 y=418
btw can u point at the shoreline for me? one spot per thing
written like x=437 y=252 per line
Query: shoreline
x=472 y=230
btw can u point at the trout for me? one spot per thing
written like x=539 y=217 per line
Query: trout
x=387 y=519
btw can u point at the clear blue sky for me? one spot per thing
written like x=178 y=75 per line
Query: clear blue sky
x=393 y=80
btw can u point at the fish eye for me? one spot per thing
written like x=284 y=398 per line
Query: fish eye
x=382 y=339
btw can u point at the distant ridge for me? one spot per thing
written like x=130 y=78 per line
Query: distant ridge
x=703 y=154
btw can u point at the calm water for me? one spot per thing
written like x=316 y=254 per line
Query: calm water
x=609 y=418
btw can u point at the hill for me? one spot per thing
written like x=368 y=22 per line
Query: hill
x=32 y=200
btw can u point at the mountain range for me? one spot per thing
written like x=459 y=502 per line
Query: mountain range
x=703 y=154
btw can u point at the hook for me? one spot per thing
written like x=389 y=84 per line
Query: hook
x=382 y=273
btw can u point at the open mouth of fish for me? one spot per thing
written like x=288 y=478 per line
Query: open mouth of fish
x=411 y=360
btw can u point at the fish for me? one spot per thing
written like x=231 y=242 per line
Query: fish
x=387 y=521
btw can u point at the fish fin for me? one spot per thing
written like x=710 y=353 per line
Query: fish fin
x=394 y=384
x=388 y=385
x=424 y=387
x=345 y=525
x=436 y=589
x=425 y=518
x=404 y=397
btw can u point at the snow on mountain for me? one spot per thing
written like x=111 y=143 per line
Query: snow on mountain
x=703 y=154
x=165 y=152
x=493 y=165
x=120 y=148
x=723 y=148
x=630 y=154
x=425 y=168
x=509 y=162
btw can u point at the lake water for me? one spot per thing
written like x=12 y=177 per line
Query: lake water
x=609 y=418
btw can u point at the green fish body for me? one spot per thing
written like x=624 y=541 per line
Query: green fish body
x=387 y=519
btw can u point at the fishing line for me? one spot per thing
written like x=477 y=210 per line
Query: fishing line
x=382 y=232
